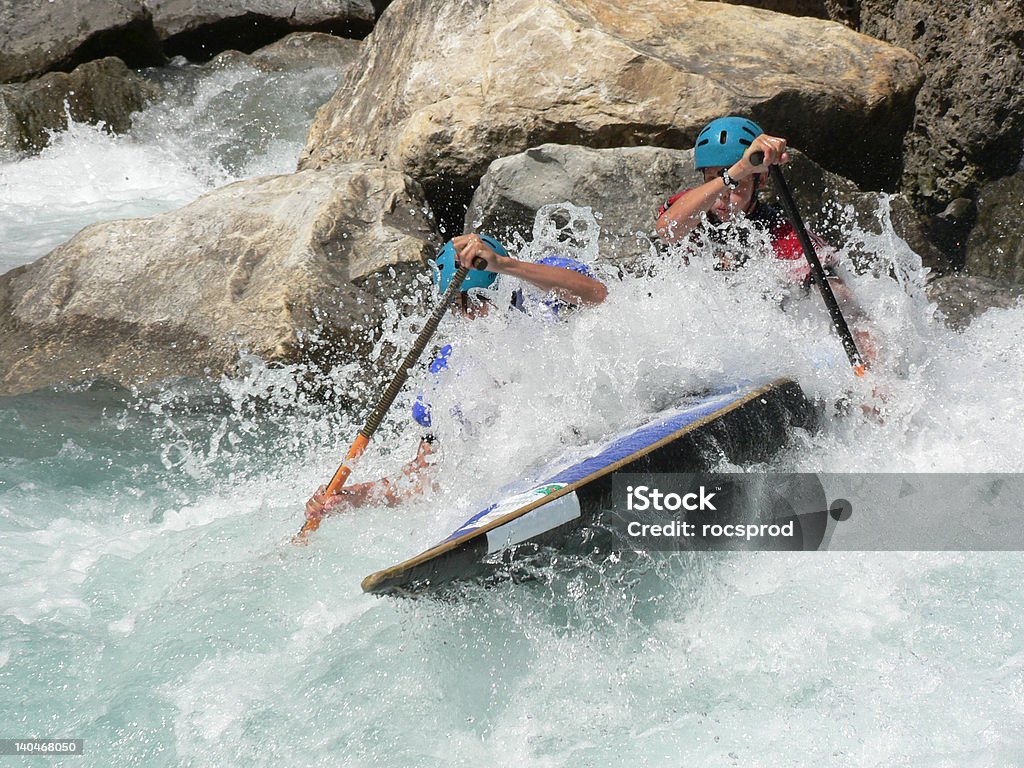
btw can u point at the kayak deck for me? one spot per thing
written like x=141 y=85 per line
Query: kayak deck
x=742 y=424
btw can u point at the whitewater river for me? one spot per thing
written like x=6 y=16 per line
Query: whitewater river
x=151 y=605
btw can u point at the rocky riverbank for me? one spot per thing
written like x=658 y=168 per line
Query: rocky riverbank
x=474 y=115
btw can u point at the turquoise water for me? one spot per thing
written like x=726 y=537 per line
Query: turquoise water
x=151 y=604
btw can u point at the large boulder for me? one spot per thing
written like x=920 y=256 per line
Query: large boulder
x=626 y=186
x=969 y=120
x=200 y=29
x=103 y=91
x=38 y=37
x=995 y=247
x=268 y=264
x=443 y=89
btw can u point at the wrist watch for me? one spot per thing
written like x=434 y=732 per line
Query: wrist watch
x=728 y=180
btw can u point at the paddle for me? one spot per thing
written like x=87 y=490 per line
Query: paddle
x=401 y=375
x=817 y=272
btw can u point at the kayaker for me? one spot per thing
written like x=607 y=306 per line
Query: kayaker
x=566 y=283
x=713 y=213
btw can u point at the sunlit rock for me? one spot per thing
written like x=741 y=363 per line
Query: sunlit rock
x=297 y=51
x=270 y=264
x=443 y=89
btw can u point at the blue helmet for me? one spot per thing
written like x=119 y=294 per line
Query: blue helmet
x=445 y=267
x=724 y=141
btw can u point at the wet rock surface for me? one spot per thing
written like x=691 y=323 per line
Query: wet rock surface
x=103 y=91
x=270 y=265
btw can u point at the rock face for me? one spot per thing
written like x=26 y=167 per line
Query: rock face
x=308 y=49
x=37 y=37
x=442 y=90
x=961 y=298
x=297 y=51
x=199 y=29
x=969 y=122
x=627 y=186
x=265 y=264
x=101 y=91
x=995 y=247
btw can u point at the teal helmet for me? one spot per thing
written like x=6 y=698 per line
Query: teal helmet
x=724 y=141
x=445 y=267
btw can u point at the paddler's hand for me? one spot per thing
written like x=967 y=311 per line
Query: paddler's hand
x=321 y=504
x=866 y=346
x=774 y=149
x=469 y=247
x=315 y=507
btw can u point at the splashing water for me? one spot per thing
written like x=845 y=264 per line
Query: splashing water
x=212 y=127
x=152 y=606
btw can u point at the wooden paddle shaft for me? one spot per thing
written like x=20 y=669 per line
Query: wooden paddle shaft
x=341 y=474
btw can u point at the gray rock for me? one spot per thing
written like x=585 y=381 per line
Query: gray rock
x=199 y=29
x=626 y=187
x=962 y=298
x=995 y=247
x=103 y=91
x=441 y=90
x=301 y=50
x=297 y=51
x=38 y=37
x=270 y=264
x=969 y=118
x=958 y=210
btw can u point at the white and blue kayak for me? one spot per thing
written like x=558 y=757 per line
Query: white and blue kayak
x=741 y=424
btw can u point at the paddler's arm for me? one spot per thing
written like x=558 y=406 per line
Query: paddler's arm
x=410 y=481
x=570 y=286
x=683 y=215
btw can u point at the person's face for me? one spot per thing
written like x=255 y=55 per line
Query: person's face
x=738 y=200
